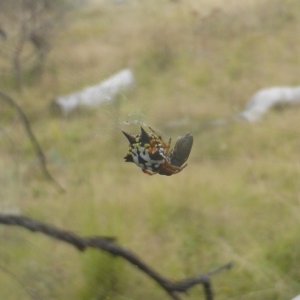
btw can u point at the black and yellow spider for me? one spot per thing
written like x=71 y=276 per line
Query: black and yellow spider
x=149 y=152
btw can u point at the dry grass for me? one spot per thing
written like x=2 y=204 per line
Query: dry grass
x=238 y=200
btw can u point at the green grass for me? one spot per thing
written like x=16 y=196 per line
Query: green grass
x=238 y=199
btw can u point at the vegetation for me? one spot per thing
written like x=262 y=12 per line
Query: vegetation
x=239 y=198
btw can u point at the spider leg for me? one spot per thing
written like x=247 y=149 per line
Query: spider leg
x=168 y=147
x=165 y=146
x=182 y=167
x=168 y=169
x=148 y=172
x=155 y=133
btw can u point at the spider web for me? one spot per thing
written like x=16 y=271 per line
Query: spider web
x=34 y=276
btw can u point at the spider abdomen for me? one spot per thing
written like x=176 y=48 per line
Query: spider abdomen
x=149 y=152
x=146 y=160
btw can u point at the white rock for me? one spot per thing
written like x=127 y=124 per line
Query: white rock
x=96 y=95
x=264 y=99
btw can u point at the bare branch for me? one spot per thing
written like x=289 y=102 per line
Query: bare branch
x=34 y=142
x=108 y=244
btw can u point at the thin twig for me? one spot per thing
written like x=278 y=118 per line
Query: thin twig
x=34 y=142
x=108 y=244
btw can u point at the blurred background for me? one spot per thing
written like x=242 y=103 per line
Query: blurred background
x=195 y=65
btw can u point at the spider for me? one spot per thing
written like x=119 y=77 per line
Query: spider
x=149 y=152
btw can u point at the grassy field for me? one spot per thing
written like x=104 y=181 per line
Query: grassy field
x=239 y=198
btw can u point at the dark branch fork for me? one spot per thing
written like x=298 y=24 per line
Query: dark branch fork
x=108 y=244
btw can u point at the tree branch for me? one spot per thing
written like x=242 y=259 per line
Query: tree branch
x=36 y=146
x=108 y=244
